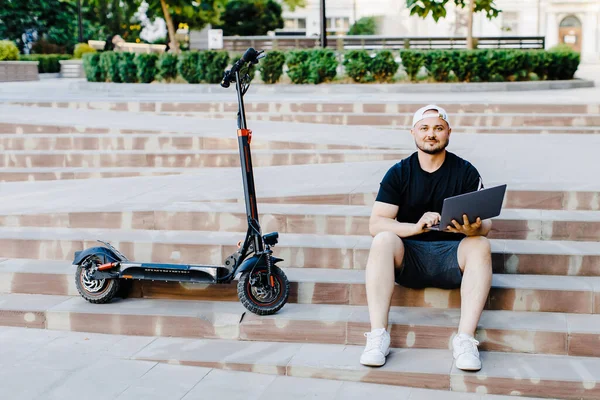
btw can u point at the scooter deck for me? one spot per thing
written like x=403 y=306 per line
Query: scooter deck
x=172 y=272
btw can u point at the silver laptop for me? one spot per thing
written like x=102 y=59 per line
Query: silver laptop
x=485 y=203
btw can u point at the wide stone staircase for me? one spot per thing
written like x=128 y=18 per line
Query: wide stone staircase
x=539 y=333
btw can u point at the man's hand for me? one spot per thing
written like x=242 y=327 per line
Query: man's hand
x=467 y=228
x=427 y=221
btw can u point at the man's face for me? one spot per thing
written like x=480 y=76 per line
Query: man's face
x=431 y=134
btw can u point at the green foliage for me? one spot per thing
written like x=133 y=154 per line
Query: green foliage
x=81 y=49
x=250 y=70
x=437 y=8
x=412 y=61
x=48 y=63
x=8 y=51
x=91 y=67
x=383 y=66
x=188 y=67
x=439 y=63
x=127 y=68
x=322 y=66
x=146 y=67
x=212 y=65
x=271 y=67
x=298 y=65
x=464 y=67
x=364 y=26
x=251 y=17
x=357 y=65
x=167 y=66
x=109 y=63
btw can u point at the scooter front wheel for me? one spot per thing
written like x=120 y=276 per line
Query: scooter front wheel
x=97 y=291
x=258 y=295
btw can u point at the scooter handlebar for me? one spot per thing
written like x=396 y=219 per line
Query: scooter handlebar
x=250 y=56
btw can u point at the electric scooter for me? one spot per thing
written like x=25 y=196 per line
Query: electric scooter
x=263 y=287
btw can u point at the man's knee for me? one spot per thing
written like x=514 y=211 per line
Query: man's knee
x=474 y=247
x=385 y=242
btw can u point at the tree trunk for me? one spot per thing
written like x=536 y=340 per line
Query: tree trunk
x=470 y=25
x=174 y=46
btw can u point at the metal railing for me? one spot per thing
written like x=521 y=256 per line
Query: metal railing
x=372 y=42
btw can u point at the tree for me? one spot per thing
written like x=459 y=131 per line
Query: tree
x=251 y=17
x=364 y=26
x=110 y=17
x=437 y=8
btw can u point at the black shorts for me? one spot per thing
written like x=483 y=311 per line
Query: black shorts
x=429 y=264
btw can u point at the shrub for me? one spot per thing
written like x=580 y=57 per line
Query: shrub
x=271 y=67
x=109 y=62
x=92 y=69
x=322 y=66
x=127 y=68
x=81 y=49
x=357 y=64
x=464 y=67
x=412 y=61
x=146 y=67
x=188 y=67
x=383 y=66
x=42 y=46
x=212 y=65
x=8 y=51
x=298 y=66
x=364 y=26
x=48 y=63
x=562 y=62
x=439 y=63
x=167 y=66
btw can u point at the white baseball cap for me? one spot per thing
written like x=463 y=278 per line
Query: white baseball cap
x=442 y=114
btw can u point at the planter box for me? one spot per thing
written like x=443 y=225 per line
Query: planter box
x=11 y=71
x=71 y=69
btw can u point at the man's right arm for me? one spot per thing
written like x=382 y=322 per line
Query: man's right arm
x=383 y=219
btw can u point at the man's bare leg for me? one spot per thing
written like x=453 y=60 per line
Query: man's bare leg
x=475 y=261
x=387 y=251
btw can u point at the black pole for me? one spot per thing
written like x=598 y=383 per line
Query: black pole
x=323 y=25
x=79 y=21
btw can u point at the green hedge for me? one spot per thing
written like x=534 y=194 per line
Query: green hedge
x=48 y=63
x=320 y=65
x=8 y=50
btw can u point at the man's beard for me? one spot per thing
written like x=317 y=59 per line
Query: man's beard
x=440 y=146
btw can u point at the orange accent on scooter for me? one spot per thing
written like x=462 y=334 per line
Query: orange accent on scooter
x=128 y=276
x=272 y=281
x=104 y=267
x=245 y=132
x=239 y=244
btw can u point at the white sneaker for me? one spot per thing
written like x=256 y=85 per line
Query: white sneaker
x=465 y=352
x=378 y=347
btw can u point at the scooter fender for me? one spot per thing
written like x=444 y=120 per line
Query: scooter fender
x=105 y=255
x=255 y=261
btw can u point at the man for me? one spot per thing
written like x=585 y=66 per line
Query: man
x=406 y=251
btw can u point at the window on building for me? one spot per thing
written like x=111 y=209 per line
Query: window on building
x=338 y=25
x=510 y=22
x=294 y=24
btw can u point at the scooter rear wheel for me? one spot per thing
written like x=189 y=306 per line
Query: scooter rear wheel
x=96 y=291
x=256 y=293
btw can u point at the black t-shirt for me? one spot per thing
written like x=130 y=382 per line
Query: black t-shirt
x=416 y=191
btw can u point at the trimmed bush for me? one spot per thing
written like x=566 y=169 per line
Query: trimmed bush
x=322 y=66
x=439 y=63
x=271 y=67
x=298 y=66
x=81 y=49
x=146 y=67
x=357 y=64
x=383 y=66
x=212 y=65
x=127 y=68
x=562 y=62
x=48 y=63
x=167 y=66
x=8 y=51
x=92 y=69
x=109 y=62
x=188 y=67
x=412 y=61
x=464 y=62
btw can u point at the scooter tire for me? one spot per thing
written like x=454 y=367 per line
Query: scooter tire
x=267 y=306
x=106 y=292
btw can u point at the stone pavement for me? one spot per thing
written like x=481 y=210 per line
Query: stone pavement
x=155 y=174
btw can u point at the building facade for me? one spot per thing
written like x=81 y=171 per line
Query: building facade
x=574 y=22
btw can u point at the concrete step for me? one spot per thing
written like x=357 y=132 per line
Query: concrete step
x=527 y=199
x=151 y=142
x=577 y=295
x=395 y=107
x=185 y=158
x=307 y=219
x=60 y=359
x=56 y=174
x=298 y=250
x=422 y=328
